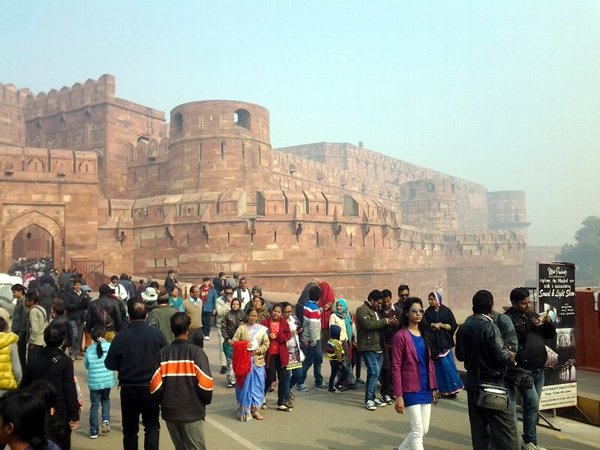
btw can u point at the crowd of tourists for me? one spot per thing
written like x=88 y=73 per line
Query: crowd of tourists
x=153 y=339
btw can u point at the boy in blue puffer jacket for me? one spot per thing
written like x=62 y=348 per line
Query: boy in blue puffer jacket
x=100 y=380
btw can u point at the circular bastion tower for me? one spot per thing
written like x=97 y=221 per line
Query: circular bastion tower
x=507 y=211
x=217 y=145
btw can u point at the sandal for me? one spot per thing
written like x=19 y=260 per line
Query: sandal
x=257 y=416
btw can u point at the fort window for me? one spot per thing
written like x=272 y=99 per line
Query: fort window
x=275 y=237
x=260 y=204
x=318 y=245
x=222 y=149
x=430 y=187
x=453 y=187
x=350 y=206
x=178 y=123
x=241 y=118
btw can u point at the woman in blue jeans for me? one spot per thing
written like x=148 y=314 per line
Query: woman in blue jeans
x=100 y=380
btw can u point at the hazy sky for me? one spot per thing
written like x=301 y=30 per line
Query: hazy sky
x=506 y=94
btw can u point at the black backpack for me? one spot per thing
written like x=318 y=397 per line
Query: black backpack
x=103 y=317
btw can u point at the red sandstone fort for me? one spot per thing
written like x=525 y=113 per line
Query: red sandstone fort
x=95 y=180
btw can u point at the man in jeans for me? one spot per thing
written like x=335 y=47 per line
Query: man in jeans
x=531 y=332
x=134 y=353
x=311 y=340
x=369 y=327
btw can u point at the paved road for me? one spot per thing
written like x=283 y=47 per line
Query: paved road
x=321 y=420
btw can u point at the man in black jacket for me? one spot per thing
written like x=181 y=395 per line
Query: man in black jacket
x=532 y=355
x=104 y=312
x=170 y=281
x=133 y=353
x=183 y=385
x=76 y=304
x=479 y=344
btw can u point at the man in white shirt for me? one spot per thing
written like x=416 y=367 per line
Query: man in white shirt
x=120 y=291
x=243 y=293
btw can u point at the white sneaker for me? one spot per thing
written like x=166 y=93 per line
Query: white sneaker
x=206 y=338
x=370 y=405
x=105 y=426
x=528 y=446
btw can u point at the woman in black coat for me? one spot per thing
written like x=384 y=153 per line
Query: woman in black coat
x=442 y=322
x=51 y=364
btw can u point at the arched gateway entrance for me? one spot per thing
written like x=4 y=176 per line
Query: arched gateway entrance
x=32 y=235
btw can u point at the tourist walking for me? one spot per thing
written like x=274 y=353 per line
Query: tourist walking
x=343 y=319
x=183 y=385
x=250 y=344
x=100 y=381
x=229 y=325
x=193 y=308
x=311 y=340
x=223 y=304
x=104 y=312
x=479 y=344
x=278 y=357
x=161 y=317
x=413 y=372
x=52 y=365
x=37 y=319
x=532 y=355
x=208 y=296
x=10 y=366
x=133 y=354
x=175 y=301
x=370 y=343
x=442 y=322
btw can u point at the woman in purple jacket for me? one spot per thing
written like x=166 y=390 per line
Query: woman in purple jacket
x=413 y=372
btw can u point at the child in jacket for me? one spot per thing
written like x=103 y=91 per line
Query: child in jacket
x=335 y=355
x=100 y=380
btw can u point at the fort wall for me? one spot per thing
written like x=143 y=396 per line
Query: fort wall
x=109 y=181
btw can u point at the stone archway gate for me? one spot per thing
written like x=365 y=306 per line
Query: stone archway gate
x=13 y=223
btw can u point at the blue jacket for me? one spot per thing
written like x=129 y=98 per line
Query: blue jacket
x=210 y=302
x=99 y=376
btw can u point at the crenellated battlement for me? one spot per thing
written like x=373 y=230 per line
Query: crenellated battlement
x=10 y=95
x=89 y=93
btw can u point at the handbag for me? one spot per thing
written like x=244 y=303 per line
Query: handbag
x=490 y=396
x=520 y=377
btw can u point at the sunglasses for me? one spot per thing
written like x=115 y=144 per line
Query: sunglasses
x=404 y=295
x=417 y=311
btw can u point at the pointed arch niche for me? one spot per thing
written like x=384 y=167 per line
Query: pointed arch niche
x=46 y=233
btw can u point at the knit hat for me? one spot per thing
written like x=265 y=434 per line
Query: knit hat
x=257 y=288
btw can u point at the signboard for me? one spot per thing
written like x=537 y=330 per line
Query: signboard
x=556 y=298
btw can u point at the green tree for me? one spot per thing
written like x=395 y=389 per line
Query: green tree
x=585 y=253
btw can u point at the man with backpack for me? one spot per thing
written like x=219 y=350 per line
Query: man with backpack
x=105 y=312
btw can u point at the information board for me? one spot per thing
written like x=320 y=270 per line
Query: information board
x=556 y=298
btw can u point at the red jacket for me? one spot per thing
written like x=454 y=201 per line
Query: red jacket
x=406 y=375
x=283 y=335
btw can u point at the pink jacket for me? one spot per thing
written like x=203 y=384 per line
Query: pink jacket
x=406 y=376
